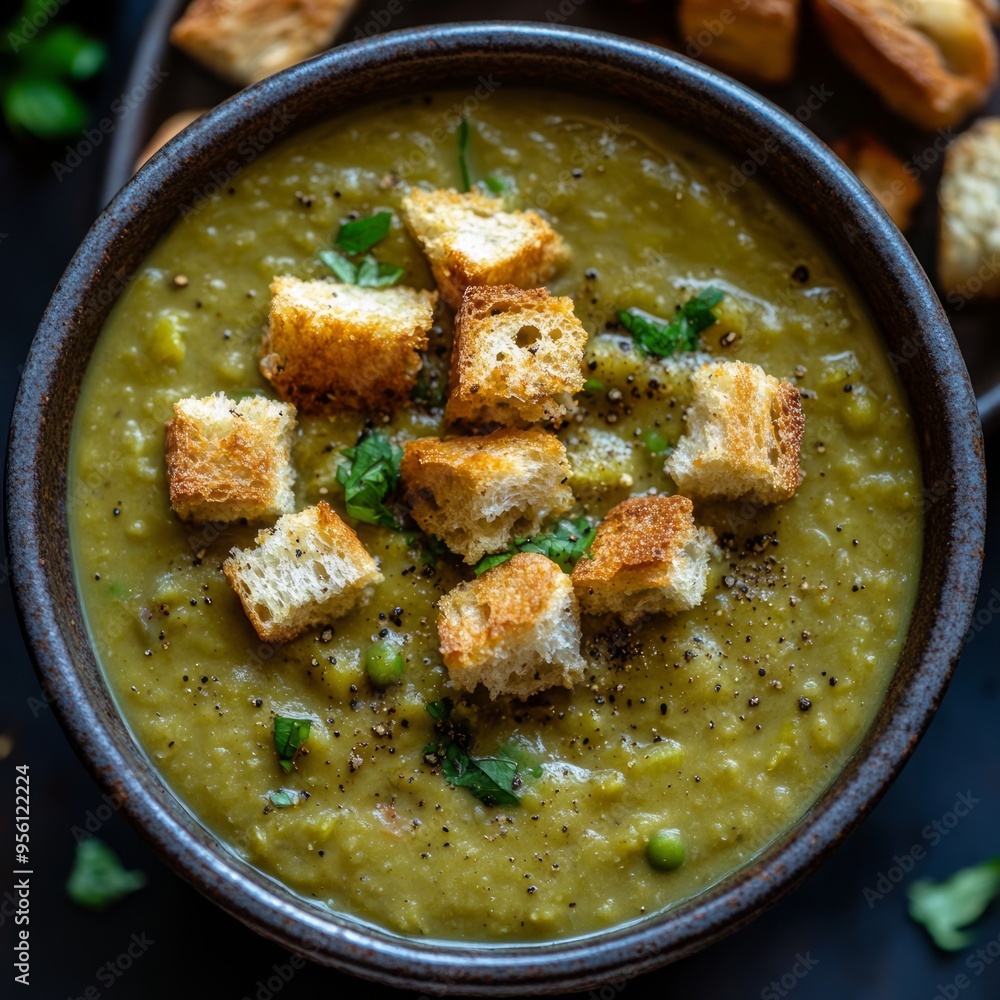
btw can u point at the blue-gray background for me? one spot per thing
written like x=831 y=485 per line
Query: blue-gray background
x=827 y=939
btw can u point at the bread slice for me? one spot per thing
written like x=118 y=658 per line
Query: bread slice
x=515 y=629
x=518 y=357
x=744 y=433
x=969 y=199
x=307 y=570
x=332 y=347
x=478 y=493
x=246 y=40
x=470 y=240
x=228 y=460
x=884 y=174
x=754 y=38
x=649 y=557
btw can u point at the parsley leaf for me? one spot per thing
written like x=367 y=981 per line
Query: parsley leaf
x=344 y=269
x=463 y=154
x=285 y=798
x=945 y=907
x=661 y=338
x=564 y=544
x=98 y=878
x=289 y=735
x=369 y=477
x=360 y=235
x=492 y=780
x=373 y=274
x=429 y=548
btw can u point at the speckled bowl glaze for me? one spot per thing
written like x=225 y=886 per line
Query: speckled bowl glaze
x=823 y=192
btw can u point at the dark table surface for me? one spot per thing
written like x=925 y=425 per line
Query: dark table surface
x=832 y=938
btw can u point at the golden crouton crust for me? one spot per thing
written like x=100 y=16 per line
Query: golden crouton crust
x=757 y=41
x=513 y=594
x=517 y=385
x=227 y=478
x=883 y=173
x=445 y=223
x=635 y=542
x=246 y=40
x=326 y=356
x=328 y=528
x=931 y=66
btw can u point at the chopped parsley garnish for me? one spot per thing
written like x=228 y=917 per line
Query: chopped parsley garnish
x=285 y=798
x=662 y=338
x=593 y=385
x=492 y=780
x=943 y=908
x=494 y=184
x=289 y=735
x=358 y=237
x=430 y=548
x=429 y=392
x=564 y=544
x=98 y=878
x=369 y=477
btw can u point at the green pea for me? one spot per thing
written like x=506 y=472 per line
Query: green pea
x=655 y=442
x=384 y=663
x=665 y=850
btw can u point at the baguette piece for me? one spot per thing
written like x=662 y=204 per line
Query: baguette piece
x=246 y=40
x=744 y=433
x=228 y=460
x=470 y=240
x=932 y=61
x=649 y=557
x=478 y=493
x=883 y=173
x=756 y=40
x=515 y=629
x=969 y=199
x=518 y=357
x=331 y=347
x=307 y=570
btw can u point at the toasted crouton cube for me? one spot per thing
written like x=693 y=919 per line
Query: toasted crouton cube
x=228 y=460
x=332 y=347
x=478 y=493
x=757 y=40
x=518 y=357
x=649 y=557
x=969 y=199
x=470 y=240
x=883 y=173
x=247 y=40
x=307 y=570
x=743 y=437
x=515 y=629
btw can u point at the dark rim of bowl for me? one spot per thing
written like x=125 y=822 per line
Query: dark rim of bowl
x=768 y=142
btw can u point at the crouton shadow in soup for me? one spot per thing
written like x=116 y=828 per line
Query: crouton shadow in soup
x=589 y=588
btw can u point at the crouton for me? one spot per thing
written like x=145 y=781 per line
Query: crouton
x=969 y=199
x=478 y=493
x=518 y=357
x=883 y=173
x=756 y=40
x=515 y=629
x=307 y=570
x=228 y=460
x=470 y=240
x=332 y=347
x=649 y=557
x=932 y=61
x=247 y=40
x=743 y=436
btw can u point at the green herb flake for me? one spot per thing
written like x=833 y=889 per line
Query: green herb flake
x=373 y=274
x=943 y=908
x=593 y=385
x=661 y=338
x=98 y=878
x=369 y=477
x=344 y=269
x=284 y=798
x=289 y=735
x=493 y=780
x=564 y=544
x=361 y=235
x=463 y=154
